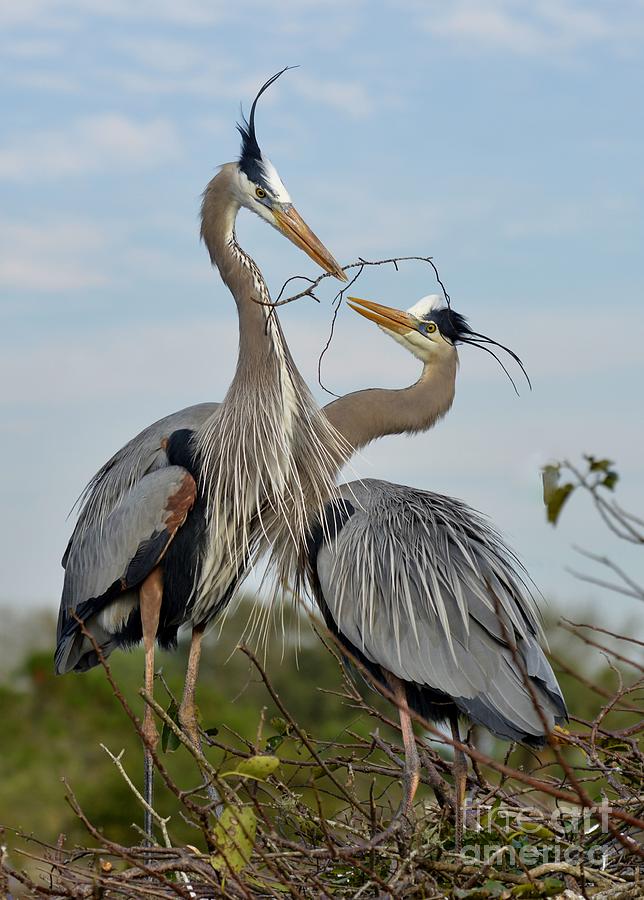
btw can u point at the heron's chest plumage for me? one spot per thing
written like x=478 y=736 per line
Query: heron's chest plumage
x=203 y=565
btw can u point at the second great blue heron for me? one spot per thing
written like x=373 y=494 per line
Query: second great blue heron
x=170 y=523
x=419 y=587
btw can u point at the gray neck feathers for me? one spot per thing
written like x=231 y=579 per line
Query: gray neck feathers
x=363 y=416
x=269 y=456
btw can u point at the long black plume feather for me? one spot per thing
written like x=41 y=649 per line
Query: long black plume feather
x=482 y=346
x=250 y=152
x=455 y=327
x=481 y=339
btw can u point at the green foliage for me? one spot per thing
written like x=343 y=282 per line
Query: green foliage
x=169 y=740
x=257 y=767
x=599 y=474
x=52 y=728
x=554 y=494
x=234 y=838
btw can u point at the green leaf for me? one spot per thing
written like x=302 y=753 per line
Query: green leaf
x=274 y=741
x=554 y=494
x=234 y=837
x=610 y=480
x=169 y=740
x=547 y=888
x=488 y=889
x=267 y=886
x=550 y=478
x=534 y=829
x=598 y=465
x=280 y=725
x=524 y=890
x=257 y=767
x=556 y=500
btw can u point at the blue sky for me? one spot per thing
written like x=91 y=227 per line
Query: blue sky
x=503 y=138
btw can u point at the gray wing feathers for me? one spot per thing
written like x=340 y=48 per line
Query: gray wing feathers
x=106 y=561
x=424 y=587
x=143 y=454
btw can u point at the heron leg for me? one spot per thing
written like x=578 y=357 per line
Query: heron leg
x=188 y=708
x=150 y=596
x=411 y=772
x=460 y=783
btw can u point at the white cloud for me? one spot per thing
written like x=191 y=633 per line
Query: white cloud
x=349 y=97
x=535 y=29
x=33 y=48
x=92 y=144
x=288 y=16
x=122 y=365
x=162 y=54
x=58 y=256
x=47 y=81
x=69 y=13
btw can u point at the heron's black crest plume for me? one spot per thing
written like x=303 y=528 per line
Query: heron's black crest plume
x=455 y=328
x=250 y=156
x=451 y=325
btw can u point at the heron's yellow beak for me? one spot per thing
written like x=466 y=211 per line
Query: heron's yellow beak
x=291 y=224
x=391 y=319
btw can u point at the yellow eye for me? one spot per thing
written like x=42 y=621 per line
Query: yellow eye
x=260 y=192
x=430 y=328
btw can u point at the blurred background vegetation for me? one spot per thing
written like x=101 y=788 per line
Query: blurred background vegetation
x=52 y=727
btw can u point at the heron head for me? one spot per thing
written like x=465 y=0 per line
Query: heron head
x=431 y=330
x=426 y=328
x=260 y=189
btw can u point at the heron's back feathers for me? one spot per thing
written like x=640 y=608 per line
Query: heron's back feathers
x=420 y=585
x=108 y=563
x=142 y=454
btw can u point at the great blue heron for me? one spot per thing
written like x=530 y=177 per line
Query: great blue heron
x=417 y=586
x=169 y=524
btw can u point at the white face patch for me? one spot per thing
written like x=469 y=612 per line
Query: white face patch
x=274 y=182
x=425 y=305
x=246 y=197
x=422 y=347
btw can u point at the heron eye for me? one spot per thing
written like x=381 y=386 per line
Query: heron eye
x=260 y=192
x=430 y=327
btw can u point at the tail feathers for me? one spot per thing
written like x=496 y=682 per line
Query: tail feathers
x=514 y=712
x=75 y=651
x=482 y=712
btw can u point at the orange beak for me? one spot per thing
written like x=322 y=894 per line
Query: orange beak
x=385 y=316
x=291 y=224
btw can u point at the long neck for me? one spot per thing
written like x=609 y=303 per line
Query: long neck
x=238 y=271
x=363 y=416
x=262 y=470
